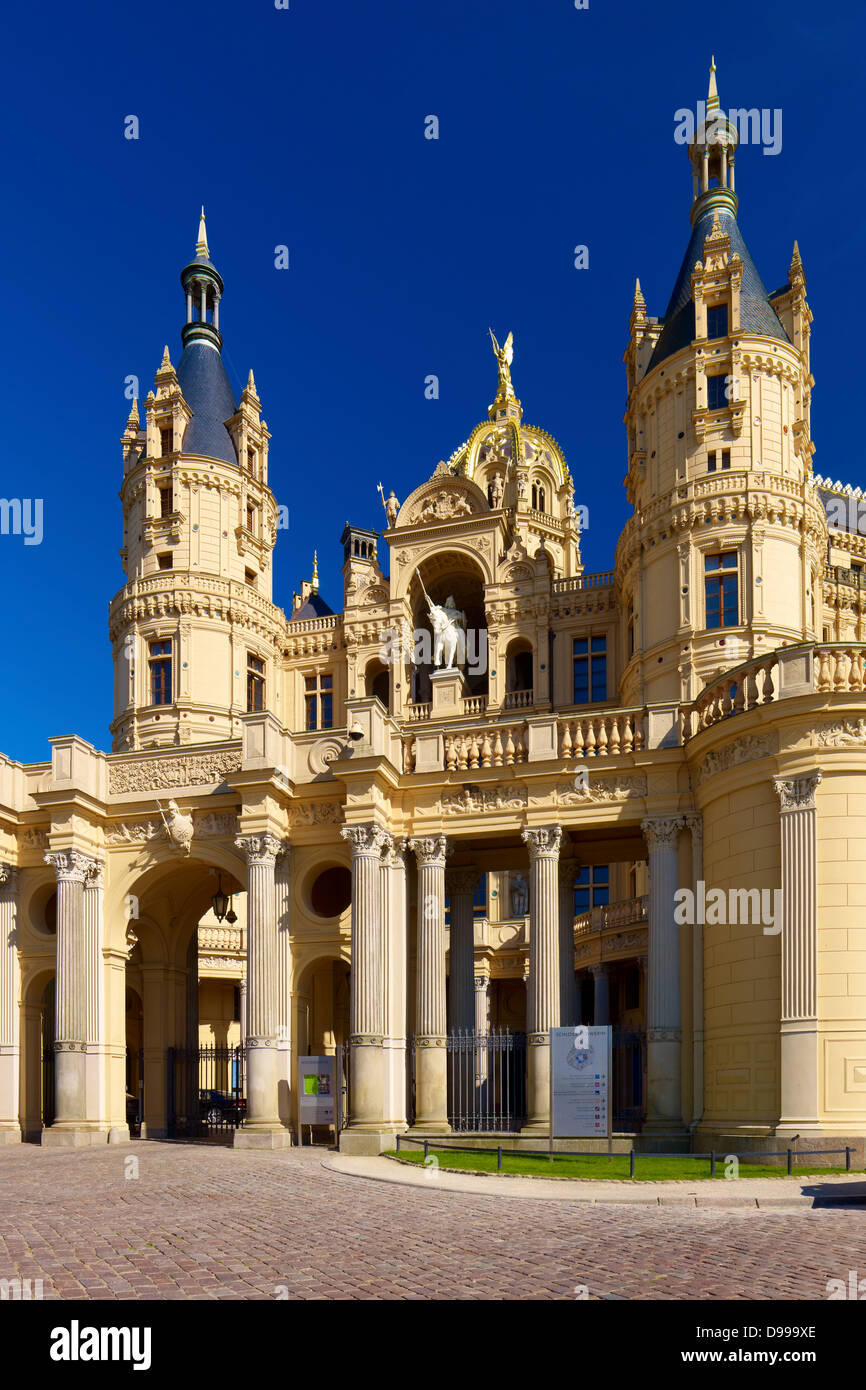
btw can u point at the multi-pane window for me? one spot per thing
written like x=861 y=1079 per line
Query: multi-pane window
x=255 y=684
x=319 y=699
x=166 y=500
x=251 y=461
x=717 y=392
x=713 y=460
x=591 y=887
x=251 y=519
x=159 y=662
x=479 y=900
x=721 y=589
x=166 y=441
x=538 y=497
x=590 y=669
x=717 y=321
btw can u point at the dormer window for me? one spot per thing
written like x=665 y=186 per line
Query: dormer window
x=717 y=321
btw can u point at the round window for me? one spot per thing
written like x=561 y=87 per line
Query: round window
x=331 y=892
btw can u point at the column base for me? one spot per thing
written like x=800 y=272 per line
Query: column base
x=425 y=1128
x=10 y=1134
x=366 y=1143
x=72 y=1136
x=262 y=1137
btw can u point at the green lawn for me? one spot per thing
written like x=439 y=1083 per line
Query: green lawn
x=648 y=1167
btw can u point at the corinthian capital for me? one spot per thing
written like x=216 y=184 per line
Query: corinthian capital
x=369 y=839
x=70 y=865
x=543 y=841
x=431 y=851
x=661 y=832
x=797 y=793
x=459 y=881
x=8 y=876
x=260 y=849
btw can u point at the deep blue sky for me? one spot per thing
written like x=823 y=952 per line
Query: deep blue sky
x=306 y=127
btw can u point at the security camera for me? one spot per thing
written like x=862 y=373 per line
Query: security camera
x=355 y=732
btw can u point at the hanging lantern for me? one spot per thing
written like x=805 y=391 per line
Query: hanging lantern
x=220 y=901
x=231 y=915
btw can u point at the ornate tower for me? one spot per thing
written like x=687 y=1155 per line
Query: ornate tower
x=722 y=559
x=194 y=632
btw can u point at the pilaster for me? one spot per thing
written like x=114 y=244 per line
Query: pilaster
x=799 y=942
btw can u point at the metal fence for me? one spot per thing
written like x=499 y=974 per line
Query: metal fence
x=486 y=1081
x=206 y=1092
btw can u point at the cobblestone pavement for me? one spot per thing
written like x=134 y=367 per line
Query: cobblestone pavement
x=204 y=1223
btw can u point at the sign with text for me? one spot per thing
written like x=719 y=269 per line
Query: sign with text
x=316 y=1090
x=580 y=1083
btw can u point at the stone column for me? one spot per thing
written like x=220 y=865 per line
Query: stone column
x=663 y=1012
x=367 y=1015
x=543 y=996
x=94 y=1026
x=800 y=1061
x=568 y=1004
x=431 y=1058
x=70 y=1099
x=10 y=1044
x=696 y=825
x=283 y=996
x=395 y=960
x=601 y=1009
x=460 y=887
x=262 y=1128
x=243 y=1011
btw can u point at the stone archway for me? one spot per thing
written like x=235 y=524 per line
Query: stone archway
x=460 y=576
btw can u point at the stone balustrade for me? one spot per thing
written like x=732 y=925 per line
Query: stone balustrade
x=519 y=699
x=602 y=735
x=475 y=704
x=497 y=746
x=626 y=913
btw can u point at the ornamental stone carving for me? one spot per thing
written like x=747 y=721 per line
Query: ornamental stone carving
x=261 y=849
x=190 y=770
x=623 y=789
x=502 y=797
x=70 y=865
x=369 y=840
x=798 y=793
x=430 y=850
x=845 y=734
x=661 y=832
x=742 y=750
x=315 y=813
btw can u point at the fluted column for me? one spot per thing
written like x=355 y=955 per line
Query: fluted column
x=10 y=1045
x=431 y=1060
x=460 y=888
x=367 y=1014
x=543 y=997
x=395 y=959
x=94 y=999
x=568 y=1005
x=696 y=825
x=262 y=1127
x=70 y=1029
x=799 y=945
x=663 y=1010
x=283 y=983
x=601 y=1006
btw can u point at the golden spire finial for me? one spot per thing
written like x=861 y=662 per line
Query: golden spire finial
x=315 y=580
x=251 y=381
x=713 y=92
x=639 y=302
x=166 y=359
x=505 y=394
x=201 y=246
x=133 y=422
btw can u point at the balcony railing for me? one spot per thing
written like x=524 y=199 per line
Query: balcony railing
x=825 y=668
x=518 y=699
x=419 y=713
x=629 y=912
x=499 y=746
x=602 y=735
x=475 y=704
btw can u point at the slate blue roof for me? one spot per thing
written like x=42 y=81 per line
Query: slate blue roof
x=315 y=607
x=207 y=392
x=757 y=315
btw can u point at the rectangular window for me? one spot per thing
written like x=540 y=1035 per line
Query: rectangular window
x=251 y=519
x=255 y=684
x=479 y=900
x=159 y=661
x=250 y=577
x=717 y=397
x=166 y=501
x=717 y=321
x=726 y=458
x=591 y=887
x=590 y=669
x=166 y=441
x=319 y=702
x=165 y=562
x=711 y=462
x=721 y=590
x=251 y=461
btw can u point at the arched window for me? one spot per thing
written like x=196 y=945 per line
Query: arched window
x=541 y=499
x=535 y=497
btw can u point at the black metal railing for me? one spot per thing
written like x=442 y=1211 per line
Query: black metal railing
x=486 y=1081
x=206 y=1096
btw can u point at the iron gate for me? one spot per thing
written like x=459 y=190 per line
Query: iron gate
x=627 y=1082
x=486 y=1081
x=206 y=1092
